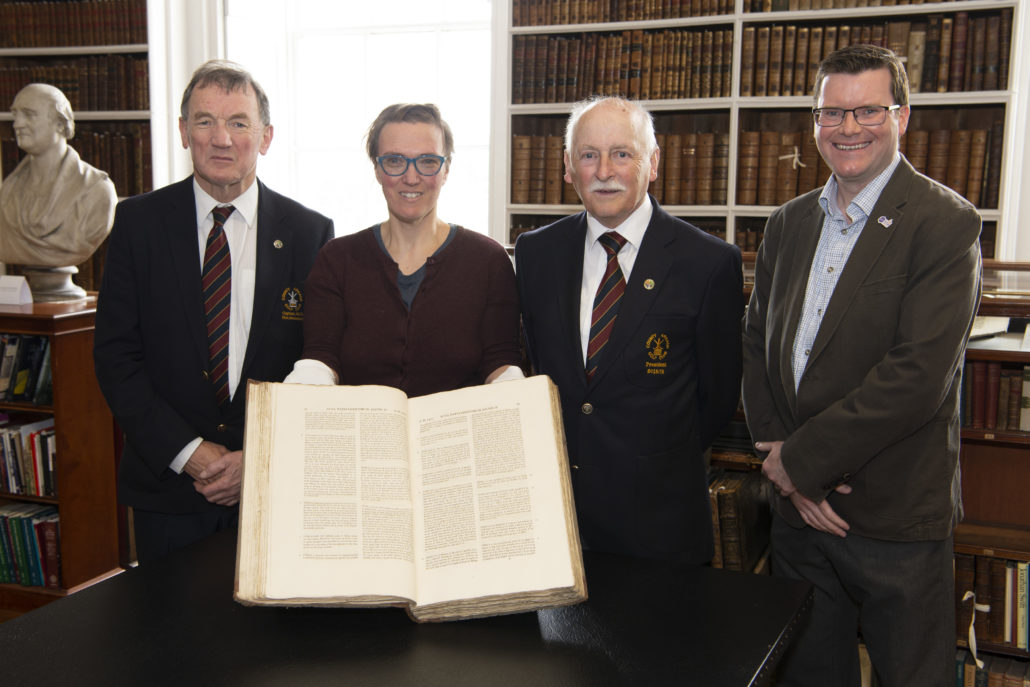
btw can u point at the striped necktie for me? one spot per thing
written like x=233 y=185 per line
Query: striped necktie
x=216 y=282
x=606 y=302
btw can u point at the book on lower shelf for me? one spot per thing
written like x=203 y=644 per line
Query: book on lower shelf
x=1000 y=615
x=996 y=396
x=453 y=505
x=29 y=551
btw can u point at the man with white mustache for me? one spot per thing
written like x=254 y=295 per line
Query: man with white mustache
x=864 y=295
x=635 y=315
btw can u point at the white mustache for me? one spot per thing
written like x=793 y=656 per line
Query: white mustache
x=606 y=186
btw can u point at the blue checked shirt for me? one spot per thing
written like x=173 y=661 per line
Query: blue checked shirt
x=836 y=242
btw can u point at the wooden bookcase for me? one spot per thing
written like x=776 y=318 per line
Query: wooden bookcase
x=730 y=114
x=996 y=463
x=85 y=460
x=98 y=55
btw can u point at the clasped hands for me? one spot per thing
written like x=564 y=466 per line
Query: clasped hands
x=217 y=473
x=820 y=515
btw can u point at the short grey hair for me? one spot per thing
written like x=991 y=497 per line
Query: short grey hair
x=229 y=76
x=642 y=120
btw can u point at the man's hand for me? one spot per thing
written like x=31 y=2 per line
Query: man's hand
x=772 y=467
x=820 y=515
x=217 y=473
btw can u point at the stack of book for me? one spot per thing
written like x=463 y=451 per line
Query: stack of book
x=25 y=369
x=996 y=397
x=93 y=83
x=998 y=583
x=27 y=458
x=645 y=65
x=73 y=22
x=548 y=12
x=29 y=545
x=943 y=53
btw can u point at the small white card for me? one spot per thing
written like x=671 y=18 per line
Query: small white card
x=14 y=290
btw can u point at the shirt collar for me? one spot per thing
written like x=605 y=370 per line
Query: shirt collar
x=866 y=198
x=632 y=229
x=245 y=203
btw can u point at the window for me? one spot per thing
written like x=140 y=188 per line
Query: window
x=329 y=67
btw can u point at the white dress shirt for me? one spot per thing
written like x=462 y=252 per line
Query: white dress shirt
x=241 y=233
x=595 y=260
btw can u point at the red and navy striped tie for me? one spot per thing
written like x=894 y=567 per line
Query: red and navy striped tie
x=216 y=281
x=606 y=302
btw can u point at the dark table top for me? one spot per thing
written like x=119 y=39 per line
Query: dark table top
x=175 y=622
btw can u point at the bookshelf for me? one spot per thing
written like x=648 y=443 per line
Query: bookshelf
x=727 y=110
x=994 y=536
x=85 y=456
x=98 y=54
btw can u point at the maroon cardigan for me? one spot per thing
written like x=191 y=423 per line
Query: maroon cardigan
x=463 y=323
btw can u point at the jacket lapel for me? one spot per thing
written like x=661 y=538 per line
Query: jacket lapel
x=183 y=249
x=810 y=227
x=868 y=249
x=568 y=267
x=273 y=251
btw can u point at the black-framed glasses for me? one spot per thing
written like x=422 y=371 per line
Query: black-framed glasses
x=427 y=165
x=867 y=115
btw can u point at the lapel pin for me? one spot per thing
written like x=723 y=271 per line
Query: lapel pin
x=277 y=243
x=649 y=284
x=885 y=222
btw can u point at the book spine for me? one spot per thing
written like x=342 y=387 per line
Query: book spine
x=762 y=61
x=944 y=56
x=673 y=168
x=1024 y=402
x=705 y=166
x=959 y=36
x=747 y=61
x=520 y=154
x=801 y=77
x=979 y=406
x=977 y=164
x=1015 y=387
x=775 y=78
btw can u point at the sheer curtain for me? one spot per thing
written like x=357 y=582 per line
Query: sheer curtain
x=329 y=67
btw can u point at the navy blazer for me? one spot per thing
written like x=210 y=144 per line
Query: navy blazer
x=150 y=351
x=668 y=382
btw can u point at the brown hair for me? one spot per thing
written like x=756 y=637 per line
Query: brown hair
x=413 y=114
x=856 y=59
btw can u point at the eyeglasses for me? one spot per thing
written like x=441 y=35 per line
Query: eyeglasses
x=867 y=115
x=427 y=165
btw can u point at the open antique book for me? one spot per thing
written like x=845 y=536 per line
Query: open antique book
x=453 y=505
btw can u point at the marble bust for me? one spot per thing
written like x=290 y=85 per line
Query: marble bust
x=55 y=210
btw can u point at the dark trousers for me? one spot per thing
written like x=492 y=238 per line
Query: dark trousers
x=900 y=595
x=157 y=534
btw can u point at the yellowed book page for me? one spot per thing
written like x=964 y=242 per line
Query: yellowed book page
x=339 y=515
x=486 y=476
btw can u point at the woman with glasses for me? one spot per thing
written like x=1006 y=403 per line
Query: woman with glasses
x=414 y=302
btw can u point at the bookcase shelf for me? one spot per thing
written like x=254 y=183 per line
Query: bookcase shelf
x=85 y=456
x=728 y=113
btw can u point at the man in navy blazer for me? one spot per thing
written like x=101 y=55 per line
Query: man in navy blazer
x=865 y=291
x=668 y=379
x=181 y=467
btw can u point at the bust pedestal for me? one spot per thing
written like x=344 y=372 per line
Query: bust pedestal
x=50 y=284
